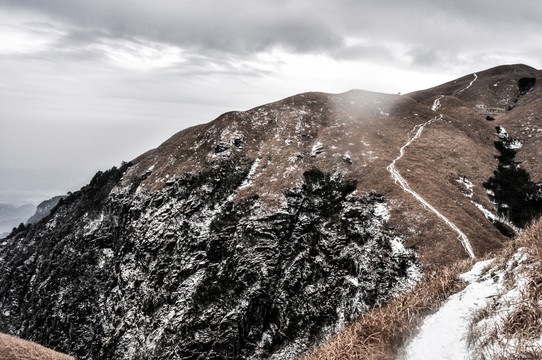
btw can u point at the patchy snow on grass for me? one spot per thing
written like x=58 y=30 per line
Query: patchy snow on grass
x=471 y=322
x=248 y=180
x=442 y=335
x=468 y=185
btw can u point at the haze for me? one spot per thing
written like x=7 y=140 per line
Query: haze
x=86 y=85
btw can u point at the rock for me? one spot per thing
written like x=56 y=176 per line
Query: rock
x=185 y=272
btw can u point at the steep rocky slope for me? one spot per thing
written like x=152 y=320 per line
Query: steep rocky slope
x=255 y=234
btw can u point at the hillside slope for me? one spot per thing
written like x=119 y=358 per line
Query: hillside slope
x=264 y=230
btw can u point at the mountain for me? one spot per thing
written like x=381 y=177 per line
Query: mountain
x=265 y=230
x=43 y=209
x=12 y=215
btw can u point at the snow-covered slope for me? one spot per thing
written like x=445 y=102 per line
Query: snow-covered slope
x=497 y=316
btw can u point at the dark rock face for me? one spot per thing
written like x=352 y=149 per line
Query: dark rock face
x=186 y=273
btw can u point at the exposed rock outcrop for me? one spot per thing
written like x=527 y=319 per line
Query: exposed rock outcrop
x=186 y=272
x=256 y=234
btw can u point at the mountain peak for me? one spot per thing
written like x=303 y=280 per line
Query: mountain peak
x=264 y=230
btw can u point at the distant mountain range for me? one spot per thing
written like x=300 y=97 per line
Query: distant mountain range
x=263 y=231
x=11 y=216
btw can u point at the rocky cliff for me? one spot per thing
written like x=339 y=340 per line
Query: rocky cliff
x=260 y=232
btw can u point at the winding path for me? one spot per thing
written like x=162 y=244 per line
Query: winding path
x=468 y=86
x=397 y=178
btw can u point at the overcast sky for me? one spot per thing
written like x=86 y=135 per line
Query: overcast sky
x=87 y=84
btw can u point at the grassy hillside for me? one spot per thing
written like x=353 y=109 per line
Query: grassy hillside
x=12 y=348
x=504 y=328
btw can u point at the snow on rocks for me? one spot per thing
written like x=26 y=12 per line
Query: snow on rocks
x=468 y=185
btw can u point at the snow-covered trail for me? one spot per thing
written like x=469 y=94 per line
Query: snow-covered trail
x=396 y=176
x=442 y=335
x=436 y=103
x=468 y=86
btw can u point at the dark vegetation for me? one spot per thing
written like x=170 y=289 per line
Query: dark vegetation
x=517 y=197
x=525 y=85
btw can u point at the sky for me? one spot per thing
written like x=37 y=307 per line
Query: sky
x=86 y=85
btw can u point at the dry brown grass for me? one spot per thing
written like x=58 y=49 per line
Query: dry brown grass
x=512 y=328
x=12 y=348
x=380 y=333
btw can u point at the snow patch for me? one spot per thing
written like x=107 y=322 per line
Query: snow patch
x=495 y=218
x=436 y=104
x=248 y=180
x=381 y=211
x=514 y=144
x=442 y=335
x=468 y=185
x=317 y=148
x=470 y=84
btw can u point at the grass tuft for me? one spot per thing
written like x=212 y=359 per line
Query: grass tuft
x=380 y=333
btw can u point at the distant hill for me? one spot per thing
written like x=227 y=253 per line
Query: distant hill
x=11 y=216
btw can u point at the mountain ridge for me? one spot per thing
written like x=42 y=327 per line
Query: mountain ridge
x=264 y=230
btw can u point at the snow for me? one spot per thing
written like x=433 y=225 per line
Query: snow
x=398 y=178
x=381 y=211
x=514 y=144
x=248 y=180
x=436 y=103
x=445 y=335
x=468 y=185
x=317 y=148
x=442 y=335
x=494 y=218
x=470 y=84
x=502 y=133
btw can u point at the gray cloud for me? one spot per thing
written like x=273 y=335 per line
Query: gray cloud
x=243 y=28
x=102 y=81
x=233 y=26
